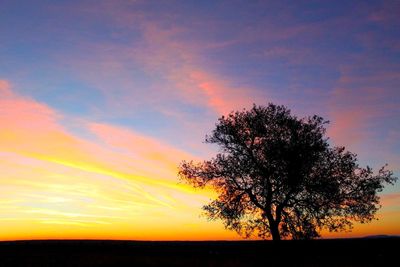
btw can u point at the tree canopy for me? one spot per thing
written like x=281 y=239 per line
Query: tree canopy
x=277 y=175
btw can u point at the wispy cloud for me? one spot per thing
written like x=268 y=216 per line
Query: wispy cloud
x=52 y=176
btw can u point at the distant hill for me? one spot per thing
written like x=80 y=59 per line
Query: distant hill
x=381 y=236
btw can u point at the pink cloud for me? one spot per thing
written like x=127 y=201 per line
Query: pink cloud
x=351 y=116
x=220 y=96
x=164 y=52
x=5 y=91
x=22 y=117
x=165 y=55
x=387 y=14
x=33 y=129
x=355 y=105
x=177 y=59
x=140 y=146
x=363 y=112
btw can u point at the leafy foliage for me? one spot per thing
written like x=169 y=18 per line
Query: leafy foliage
x=277 y=175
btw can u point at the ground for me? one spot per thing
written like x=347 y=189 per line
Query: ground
x=340 y=252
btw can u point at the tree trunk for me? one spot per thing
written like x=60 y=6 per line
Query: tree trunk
x=276 y=236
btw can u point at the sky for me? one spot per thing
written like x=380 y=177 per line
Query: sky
x=101 y=100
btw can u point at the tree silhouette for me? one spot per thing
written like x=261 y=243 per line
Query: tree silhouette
x=277 y=175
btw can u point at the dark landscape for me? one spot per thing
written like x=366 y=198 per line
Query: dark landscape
x=373 y=251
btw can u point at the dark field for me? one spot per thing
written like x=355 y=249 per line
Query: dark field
x=341 y=252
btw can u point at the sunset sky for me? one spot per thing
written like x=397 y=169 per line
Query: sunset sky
x=101 y=100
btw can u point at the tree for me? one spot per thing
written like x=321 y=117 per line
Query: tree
x=277 y=175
